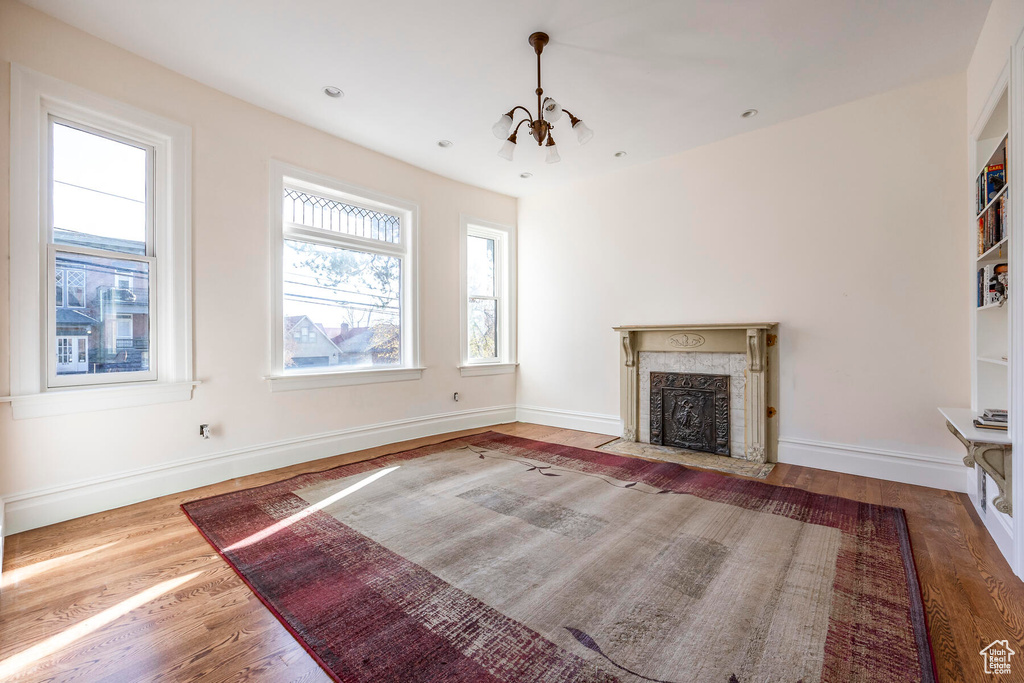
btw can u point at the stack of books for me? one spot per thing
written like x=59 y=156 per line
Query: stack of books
x=992 y=281
x=992 y=225
x=992 y=418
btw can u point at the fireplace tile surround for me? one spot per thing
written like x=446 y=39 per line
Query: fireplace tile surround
x=732 y=364
x=745 y=351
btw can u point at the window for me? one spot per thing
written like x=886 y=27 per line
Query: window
x=488 y=287
x=345 y=304
x=108 y=227
x=74 y=287
x=100 y=209
x=123 y=281
x=125 y=332
x=59 y=293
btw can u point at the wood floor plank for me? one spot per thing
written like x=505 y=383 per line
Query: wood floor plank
x=213 y=628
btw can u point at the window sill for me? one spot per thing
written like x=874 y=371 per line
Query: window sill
x=322 y=380
x=488 y=369
x=90 y=399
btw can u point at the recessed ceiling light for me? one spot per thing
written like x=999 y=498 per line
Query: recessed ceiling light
x=331 y=91
x=750 y=113
x=445 y=143
x=619 y=155
x=525 y=175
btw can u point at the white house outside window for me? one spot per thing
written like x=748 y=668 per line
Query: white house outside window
x=345 y=303
x=488 y=291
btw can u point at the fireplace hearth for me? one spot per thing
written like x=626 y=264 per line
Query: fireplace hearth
x=690 y=410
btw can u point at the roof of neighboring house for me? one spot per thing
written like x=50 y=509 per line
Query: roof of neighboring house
x=358 y=342
x=70 y=316
x=81 y=239
x=348 y=334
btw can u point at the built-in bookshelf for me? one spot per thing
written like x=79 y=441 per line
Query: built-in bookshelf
x=990 y=250
x=982 y=428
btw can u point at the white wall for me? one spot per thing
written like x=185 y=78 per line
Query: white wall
x=233 y=143
x=844 y=226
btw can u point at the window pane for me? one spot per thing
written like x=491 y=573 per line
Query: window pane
x=480 y=266
x=315 y=211
x=483 y=328
x=342 y=307
x=99 y=192
x=103 y=328
x=60 y=287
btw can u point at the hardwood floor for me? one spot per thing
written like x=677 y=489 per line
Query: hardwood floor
x=66 y=610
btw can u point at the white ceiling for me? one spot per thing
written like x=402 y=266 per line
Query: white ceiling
x=650 y=77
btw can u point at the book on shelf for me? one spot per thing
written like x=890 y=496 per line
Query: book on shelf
x=992 y=284
x=995 y=178
x=989 y=413
x=979 y=193
x=992 y=225
x=999 y=427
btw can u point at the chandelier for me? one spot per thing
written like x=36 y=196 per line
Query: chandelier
x=548 y=113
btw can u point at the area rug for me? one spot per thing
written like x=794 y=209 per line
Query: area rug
x=497 y=558
x=708 y=461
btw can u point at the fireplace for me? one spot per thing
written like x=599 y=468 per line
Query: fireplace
x=691 y=411
x=708 y=388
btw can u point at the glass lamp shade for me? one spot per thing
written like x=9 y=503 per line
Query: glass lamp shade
x=552 y=110
x=502 y=127
x=583 y=133
x=552 y=157
x=507 y=150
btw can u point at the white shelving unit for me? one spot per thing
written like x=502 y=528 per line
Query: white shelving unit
x=990 y=329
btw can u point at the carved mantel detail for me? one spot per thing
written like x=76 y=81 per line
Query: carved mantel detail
x=686 y=340
x=756 y=340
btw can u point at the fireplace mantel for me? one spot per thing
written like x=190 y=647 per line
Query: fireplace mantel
x=756 y=340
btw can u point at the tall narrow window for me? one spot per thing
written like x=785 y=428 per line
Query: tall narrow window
x=346 y=292
x=484 y=298
x=99 y=240
x=488 y=314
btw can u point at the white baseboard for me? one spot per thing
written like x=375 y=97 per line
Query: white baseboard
x=908 y=468
x=570 y=419
x=33 y=509
x=997 y=524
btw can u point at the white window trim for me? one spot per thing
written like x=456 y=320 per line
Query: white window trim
x=506 y=362
x=35 y=98
x=358 y=196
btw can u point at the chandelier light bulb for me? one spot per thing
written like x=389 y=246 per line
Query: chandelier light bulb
x=552 y=110
x=508 y=149
x=552 y=157
x=502 y=127
x=583 y=132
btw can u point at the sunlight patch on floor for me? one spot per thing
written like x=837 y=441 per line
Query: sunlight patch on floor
x=13 y=576
x=305 y=512
x=16 y=663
